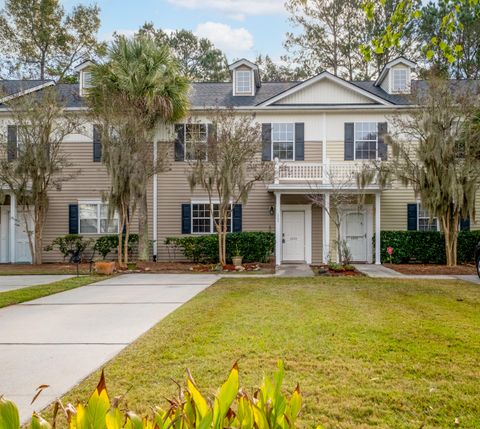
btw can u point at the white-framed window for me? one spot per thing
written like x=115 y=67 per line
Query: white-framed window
x=87 y=79
x=283 y=141
x=424 y=223
x=366 y=140
x=400 y=81
x=243 y=82
x=93 y=219
x=196 y=139
x=202 y=219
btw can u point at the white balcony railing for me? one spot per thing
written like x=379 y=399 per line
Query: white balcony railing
x=317 y=173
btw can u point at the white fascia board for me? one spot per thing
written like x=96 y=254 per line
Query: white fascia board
x=388 y=66
x=321 y=76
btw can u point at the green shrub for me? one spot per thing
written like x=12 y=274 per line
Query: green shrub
x=109 y=243
x=426 y=247
x=253 y=246
x=69 y=245
x=231 y=407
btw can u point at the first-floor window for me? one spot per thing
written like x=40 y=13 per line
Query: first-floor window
x=424 y=221
x=283 y=141
x=93 y=218
x=203 y=221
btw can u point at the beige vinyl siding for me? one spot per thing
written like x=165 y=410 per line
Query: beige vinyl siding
x=313 y=151
x=325 y=92
x=317 y=235
x=336 y=151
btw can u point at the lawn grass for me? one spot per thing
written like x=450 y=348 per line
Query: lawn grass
x=366 y=352
x=33 y=292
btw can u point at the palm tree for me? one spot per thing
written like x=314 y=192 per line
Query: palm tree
x=145 y=79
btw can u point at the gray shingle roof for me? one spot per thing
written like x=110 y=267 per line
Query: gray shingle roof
x=210 y=94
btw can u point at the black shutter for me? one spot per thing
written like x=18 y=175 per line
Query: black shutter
x=97 y=143
x=465 y=224
x=179 y=142
x=412 y=217
x=73 y=218
x=237 y=218
x=349 y=141
x=186 y=218
x=267 y=142
x=299 y=141
x=382 y=147
x=11 y=142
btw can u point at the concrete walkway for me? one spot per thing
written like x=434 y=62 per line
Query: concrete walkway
x=60 y=339
x=294 y=270
x=379 y=271
x=8 y=283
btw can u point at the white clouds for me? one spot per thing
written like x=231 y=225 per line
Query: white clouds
x=233 y=41
x=235 y=9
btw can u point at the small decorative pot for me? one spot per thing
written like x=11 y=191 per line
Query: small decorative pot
x=237 y=260
x=104 y=267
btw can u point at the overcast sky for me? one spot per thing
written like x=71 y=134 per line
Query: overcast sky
x=241 y=28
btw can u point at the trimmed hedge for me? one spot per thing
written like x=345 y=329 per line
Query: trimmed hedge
x=253 y=246
x=426 y=247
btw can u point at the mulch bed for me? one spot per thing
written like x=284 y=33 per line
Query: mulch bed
x=184 y=267
x=432 y=269
x=324 y=270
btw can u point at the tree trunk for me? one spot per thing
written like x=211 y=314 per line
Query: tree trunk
x=38 y=257
x=143 y=241
x=125 y=244
x=120 y=241
x=450 y=232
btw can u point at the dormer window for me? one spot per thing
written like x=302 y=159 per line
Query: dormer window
x=87 y=79
x=400 y=80
x=85 y=76
x=243 y=82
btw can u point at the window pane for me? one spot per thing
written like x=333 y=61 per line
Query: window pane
x=283 y=136
x=196 y=141
x=366 y=136
x=88 y=211
x=243 y=81
x=88 y=226
x=107 y=227
x=201 y=218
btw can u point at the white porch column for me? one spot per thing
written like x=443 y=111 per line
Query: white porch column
x=377 y=228
x=278 y=228
x=155 y=204
x=12 y=222
x=326 y=228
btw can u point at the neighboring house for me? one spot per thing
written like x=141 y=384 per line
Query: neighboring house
x=320 y=130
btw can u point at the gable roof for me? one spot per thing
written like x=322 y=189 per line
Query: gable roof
x=389 y=65
x=328 y=76
x=10 y=89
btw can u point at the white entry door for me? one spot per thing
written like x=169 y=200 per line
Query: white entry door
x=293 y=235
x=22 y=247
x=356 y=234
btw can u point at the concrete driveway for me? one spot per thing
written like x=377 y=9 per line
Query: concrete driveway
x=19 y=282
x=60 y=339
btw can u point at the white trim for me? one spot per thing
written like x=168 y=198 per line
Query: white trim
x=252 y=84
x=12 y=225
x=307 y=208
x=326 y=229
x=243 y=62
x=378 y=259
x=212 y=224
x=319 y=77
x=26 y=91
x=84 y=65
x=355 y=141
x=324 y=139
x=437 y=223
x=278 y=228
x=155 y=203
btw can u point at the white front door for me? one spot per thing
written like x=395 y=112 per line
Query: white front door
x=356 y=234
x=4 y=234
x=293 y=235
x=22 y=247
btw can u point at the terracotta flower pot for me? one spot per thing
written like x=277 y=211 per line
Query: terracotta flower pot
x=104 y=267
x=237 y=261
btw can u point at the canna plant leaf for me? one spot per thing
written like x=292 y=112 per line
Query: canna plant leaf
x=98 y=406
x=225 y=397
x=39 y=423
x=114 y=419
x=9 y=418
x=199 y=401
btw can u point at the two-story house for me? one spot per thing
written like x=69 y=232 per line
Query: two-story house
x=317 y=132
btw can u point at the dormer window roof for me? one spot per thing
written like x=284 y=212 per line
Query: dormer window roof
x=396 y=76
x=245 y=78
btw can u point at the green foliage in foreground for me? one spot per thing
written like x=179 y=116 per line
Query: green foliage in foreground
x=232 y=407
x=27 y=294
x=426 y=247
x=253 y=246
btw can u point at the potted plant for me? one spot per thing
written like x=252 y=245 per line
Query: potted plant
x=236 y=258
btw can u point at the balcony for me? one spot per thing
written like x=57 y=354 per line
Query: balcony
x=329 y=174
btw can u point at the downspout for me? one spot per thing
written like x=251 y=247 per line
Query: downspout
x=155 y=202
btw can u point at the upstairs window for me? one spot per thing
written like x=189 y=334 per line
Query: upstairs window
x=366 y=140
x=400 y=80
x=424 y=221
x=283 y=141
x=196 y=138
x=243 y=82
x=87 y=79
